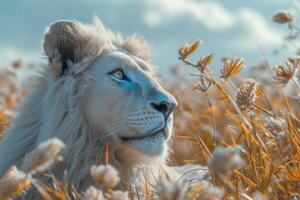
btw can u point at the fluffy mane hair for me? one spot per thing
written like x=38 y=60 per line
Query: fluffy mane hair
x=53 y=107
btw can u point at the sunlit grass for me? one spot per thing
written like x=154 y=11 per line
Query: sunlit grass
x=245 y=131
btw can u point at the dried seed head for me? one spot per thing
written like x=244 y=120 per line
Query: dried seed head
x=13 y=183
x=274 y=125
x=93 y=194
x=203 y=83
x=186 y=49
x=226 y=159
x=295 y=62
x=285 y=72
x=105 y=175
x=170 y=190
x=283 y=17
x=41 y=158
x=204 y=190
x=204 y=61
x=246 y=95
x=231 y=67
x=119 y=195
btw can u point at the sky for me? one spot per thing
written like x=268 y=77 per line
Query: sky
x=239 y=28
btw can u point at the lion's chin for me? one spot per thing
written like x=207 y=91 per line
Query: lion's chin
x=152 y=145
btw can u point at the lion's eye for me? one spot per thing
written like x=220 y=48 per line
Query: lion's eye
x=118 y=74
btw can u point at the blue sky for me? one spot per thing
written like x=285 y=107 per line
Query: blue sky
x=226 y=27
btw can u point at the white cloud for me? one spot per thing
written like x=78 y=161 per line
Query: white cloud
x=8 y=54
x=252 y=27
x=255 y=30
x=212 y=14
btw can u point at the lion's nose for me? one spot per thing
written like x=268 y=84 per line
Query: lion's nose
x=164 y=107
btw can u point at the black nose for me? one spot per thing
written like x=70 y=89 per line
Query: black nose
x=164 y=107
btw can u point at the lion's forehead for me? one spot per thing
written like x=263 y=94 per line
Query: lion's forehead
x=138 y=71
x=120 y=58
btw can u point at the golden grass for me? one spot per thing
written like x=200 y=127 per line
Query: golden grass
x=246 y=131
x=265 y=126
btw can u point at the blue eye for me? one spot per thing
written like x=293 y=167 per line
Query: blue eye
x=119 y=74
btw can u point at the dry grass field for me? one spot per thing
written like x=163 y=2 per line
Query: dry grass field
x=246 y=131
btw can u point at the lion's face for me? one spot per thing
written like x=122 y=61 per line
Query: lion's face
x=127 y=104
x=122 y=101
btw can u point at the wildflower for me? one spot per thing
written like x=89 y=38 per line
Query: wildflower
x=170 y=190
x=204 y=61
x=13 y=183
x=204 y=190
x=93 y=194
x=283 y=17
x=285 y=72
x=246 y=95
x=203 y=83
x=106 y=175
x=186 y=49
x=225 y=159
x=41 y=158
x=119 y=195
x=231 y=67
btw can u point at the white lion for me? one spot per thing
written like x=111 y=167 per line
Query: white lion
x=98 y=90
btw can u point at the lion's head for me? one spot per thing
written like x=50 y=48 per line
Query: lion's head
x=97 y=90
x=126 y=102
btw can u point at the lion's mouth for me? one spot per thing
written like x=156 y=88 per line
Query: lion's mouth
x=152 y=144
x=148 y=136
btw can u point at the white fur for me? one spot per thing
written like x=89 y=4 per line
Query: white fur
x=87 y=109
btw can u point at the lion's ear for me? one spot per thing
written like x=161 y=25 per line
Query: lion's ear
x=62 y=43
